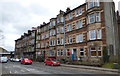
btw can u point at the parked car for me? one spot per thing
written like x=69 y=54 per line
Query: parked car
x=3 y=59
x=26 y=61
x=17 y=60
x=51 y=61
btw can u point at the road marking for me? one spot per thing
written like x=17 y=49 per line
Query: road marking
x=28 y=69
x=10 y=72
x=15 y=71
x=22 y=70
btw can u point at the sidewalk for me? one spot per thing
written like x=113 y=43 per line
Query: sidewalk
x=90 y=67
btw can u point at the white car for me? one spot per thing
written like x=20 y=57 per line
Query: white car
x=3 y=59
x=17 y=60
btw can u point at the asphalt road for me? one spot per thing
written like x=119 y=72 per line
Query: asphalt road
x=16 y=68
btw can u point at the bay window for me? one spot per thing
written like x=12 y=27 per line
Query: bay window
x=97 y=17
x=91 y=18
x=92 y=35
x=99 y=34
x=93 y=52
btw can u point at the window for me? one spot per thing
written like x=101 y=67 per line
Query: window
x=38 y=37
x=58 y=20
x=53 y=32
x=50 y=32
x=38 y=30
x=97 y=17
x=50 y=53
x=93 y=52
x=53 y=53
x=90 y=4
x=58 y=52
x=99 y=51
x=98 y=34
x=92 y=35
x=42 y=45
x=58 y=41
x=62 y=29
x=77 y=13
x=68 y=52
x=47 y=53
x=61 y=52
x=62 y=19
x=53 y=42
x=71 y=27
x=80 y=23
x=47 y=35
x=77 y=38
x=70 y=15
x=67 y=28
x=53 y=23
x=61 y=41
x=80 y=11
x=70 y=39
x=58 y=30
x=42 y=36
x=81 y=37
x=77 y=25
x=38 y=45
x=96 y=2
x=81 y=52
x=91 y=18
x=50 y=42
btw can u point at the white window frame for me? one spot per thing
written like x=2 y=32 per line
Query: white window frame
x=71 y=27
x=81 y=52
x=93 y=51
x=97 y=16
x=81 y=37
x=62 y=28
x=62 y=19
x=80 y=23
x=70 y=16
x=77 y=25
x=92 y=35
x=77 y=13
x=58 y=52
x=61 y=41
x=80 y=11
x=97 y=2
x=90 y=3
x=90 y=17
x=99 y=34
x=70 y=39
x=61 y=52
x=77 y=39
x=68 y=28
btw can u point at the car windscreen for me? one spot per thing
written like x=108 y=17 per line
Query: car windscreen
x=26 y=59
x=53 y=59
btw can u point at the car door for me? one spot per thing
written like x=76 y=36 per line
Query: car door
x=49 y=61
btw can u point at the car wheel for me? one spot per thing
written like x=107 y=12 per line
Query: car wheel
x=24 y=63
x=52 y=64
x=45 y=64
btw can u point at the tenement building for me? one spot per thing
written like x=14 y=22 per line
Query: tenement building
x=80 y=34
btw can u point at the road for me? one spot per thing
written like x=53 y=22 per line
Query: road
x=39 y=68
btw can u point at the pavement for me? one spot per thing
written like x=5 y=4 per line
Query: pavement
x=92 y=68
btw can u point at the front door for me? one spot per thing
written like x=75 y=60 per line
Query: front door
x=43 y=54
x=74 y=54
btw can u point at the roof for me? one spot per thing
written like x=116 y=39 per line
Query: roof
x=74 y=9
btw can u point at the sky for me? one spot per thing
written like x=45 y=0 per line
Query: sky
x=19 y=16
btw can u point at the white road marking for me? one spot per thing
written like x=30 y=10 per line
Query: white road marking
x=10 y=72
x=15 y=71
x=28 y=69
x=22 y=70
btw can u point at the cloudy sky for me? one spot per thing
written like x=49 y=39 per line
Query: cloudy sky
x=18 y=16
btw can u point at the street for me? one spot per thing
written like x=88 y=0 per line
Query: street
x=39 y=68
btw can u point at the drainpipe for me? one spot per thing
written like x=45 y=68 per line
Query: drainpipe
x=64 y=38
